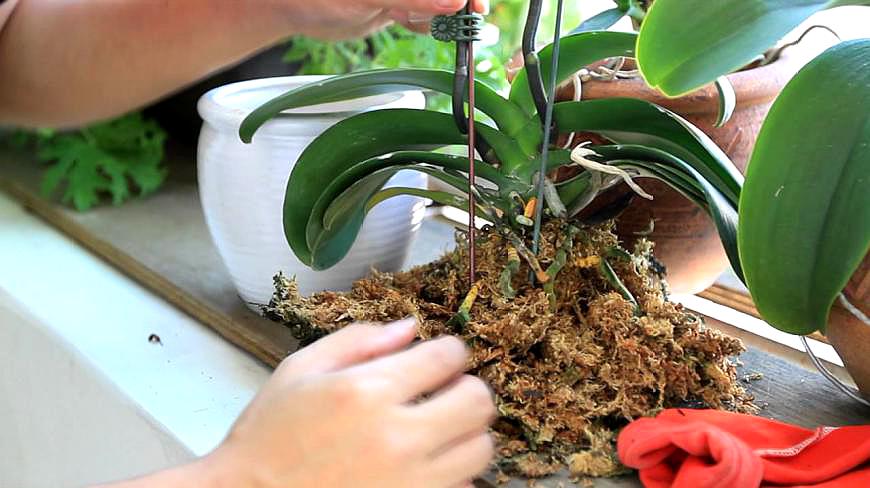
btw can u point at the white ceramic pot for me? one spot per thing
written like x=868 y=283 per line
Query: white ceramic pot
x=242 y=189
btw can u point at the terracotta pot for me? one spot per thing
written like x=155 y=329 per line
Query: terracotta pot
x=686 y=239
x=849 y=335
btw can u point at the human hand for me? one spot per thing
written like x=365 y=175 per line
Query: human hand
x=343 y=19
x=346 y=411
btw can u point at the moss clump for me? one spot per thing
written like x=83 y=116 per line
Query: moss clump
x=570 y=363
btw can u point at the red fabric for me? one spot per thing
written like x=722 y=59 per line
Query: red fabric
x=683 y=448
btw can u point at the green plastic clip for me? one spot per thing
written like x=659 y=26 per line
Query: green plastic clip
x=456 y=28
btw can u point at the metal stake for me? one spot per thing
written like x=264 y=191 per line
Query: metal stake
x=548 y=130
x=471 y=145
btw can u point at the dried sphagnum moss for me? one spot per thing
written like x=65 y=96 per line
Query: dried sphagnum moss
x=566 y=380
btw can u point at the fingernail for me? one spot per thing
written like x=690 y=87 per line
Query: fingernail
x=448 y=4
x=401 y=327
x=485 y=7
x=419 y=18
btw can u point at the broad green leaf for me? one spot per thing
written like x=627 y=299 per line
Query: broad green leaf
x=356 y=197
x=721 y=211
x=359 y=138
x=686 y=179
x=659 y=162
x=337 y=217
x=439 y=197
x=344 y=216
x=350 y=141
x=805 y=208
x=506 y=115
x=575 y=52
x=601 y=21
x=571 y=190
x=686 y=44
x=632 y=121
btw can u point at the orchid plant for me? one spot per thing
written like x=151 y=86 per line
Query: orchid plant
x=804 y=219
x=341 y=175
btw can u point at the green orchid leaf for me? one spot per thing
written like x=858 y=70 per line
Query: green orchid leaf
x=439 y=197
x=601 y=21
x=805 y=208
x=339 y=213
x=658 y=163
x=576 y=51
x=506 y=115
x=345 y=215
x=721 y=210
x=652 y=162
x=344 y=153
x=573 y=189
x=686 y=44
x=632 y=121
x=355 y=139
x=727 y=100
x=683 y=177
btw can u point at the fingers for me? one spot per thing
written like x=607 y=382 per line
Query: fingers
x=422 y=8
x=464 y=461
x=352 y=345
x=416 y=27
x=422 y=369
x=464 y=407
x=418 y=21
x=412 y=21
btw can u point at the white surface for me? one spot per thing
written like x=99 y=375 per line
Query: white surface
x=84 y=397
x=242 y=188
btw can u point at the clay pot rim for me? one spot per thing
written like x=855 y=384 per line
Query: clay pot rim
x=752 y=86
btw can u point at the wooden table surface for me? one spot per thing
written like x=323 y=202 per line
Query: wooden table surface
x=162 y=242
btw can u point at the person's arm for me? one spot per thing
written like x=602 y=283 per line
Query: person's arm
x=347 y=411
x=68 y=62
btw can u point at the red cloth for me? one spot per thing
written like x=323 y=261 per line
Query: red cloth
x=684 y=448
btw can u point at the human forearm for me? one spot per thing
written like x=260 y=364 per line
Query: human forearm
x=68 y=62
x=202 y=473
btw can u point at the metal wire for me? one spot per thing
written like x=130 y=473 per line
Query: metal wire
x=548 y=129
x=471 y=145
x=824 y=371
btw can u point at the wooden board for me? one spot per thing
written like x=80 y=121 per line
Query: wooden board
x=163 y=243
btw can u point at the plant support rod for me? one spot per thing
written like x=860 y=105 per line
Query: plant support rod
x=463 y=28
x=548 y=126
x=471 y=144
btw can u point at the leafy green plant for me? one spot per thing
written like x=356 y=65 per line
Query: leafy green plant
x=804 y=223
x=121 y=159
x=340 y=176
